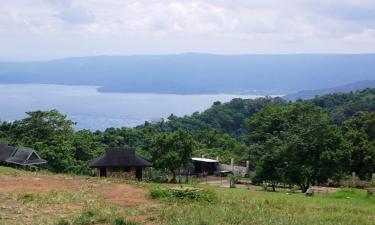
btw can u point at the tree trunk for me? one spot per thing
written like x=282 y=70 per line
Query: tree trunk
x=273 y=187
x=173 y=181
x=306 y=186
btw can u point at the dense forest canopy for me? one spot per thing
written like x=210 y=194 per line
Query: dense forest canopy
x=302 y=142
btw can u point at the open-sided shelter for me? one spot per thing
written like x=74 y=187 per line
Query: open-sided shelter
x=120 y=163
x=204 y=166
x=19 y=156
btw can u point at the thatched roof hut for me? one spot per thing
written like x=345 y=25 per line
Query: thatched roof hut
x=120 y=162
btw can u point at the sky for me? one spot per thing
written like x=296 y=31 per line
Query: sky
x=47 y=29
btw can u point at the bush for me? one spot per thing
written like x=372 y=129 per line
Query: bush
x=89 y=217
x=121 y=221
x=26 y=197
x=62 y=221
x=346 y=193
x=188 y=194
x=233 y=179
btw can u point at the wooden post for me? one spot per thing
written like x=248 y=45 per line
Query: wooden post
x=247 y=168
x=232 y=165
x=353 y=179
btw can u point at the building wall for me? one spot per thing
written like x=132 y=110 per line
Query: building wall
x=121 y=173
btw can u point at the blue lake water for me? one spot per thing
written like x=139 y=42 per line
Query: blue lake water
x=95 y=110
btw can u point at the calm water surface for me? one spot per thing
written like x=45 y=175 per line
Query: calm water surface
x=95 y=110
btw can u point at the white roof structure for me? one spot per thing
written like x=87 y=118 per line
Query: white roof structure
x=205 y=160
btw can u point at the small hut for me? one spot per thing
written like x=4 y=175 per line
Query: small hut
x=120 y=163
x=24 y=157
x=204 y=166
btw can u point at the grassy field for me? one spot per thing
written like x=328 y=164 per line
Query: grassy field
x=84 y=202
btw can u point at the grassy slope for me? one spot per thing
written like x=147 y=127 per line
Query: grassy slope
x=240 y=206
x=236 y=206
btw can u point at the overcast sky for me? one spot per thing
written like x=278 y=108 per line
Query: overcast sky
x=45 y=29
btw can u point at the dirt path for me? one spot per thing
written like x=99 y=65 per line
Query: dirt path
x=117 y=194
x=13 y=210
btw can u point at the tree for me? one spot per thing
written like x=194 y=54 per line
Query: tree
x=172 y=151
x=270 y=168
x=302 y=143
x=359 y=132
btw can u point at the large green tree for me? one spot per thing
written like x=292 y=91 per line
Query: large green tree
x=359 y=132
x=172 y=151
x=52 y=135
x=306 y=148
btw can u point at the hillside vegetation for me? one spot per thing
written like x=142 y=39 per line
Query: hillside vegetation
x=341 y=124
x=47 y=199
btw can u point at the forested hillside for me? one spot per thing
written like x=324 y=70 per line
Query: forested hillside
x=229 y=118
x=347 y=88
x=335 y=129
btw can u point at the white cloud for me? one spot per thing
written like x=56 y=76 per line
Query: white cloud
x=240 y=26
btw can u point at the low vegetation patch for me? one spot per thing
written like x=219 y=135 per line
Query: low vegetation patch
x=184 y=194
x=352 y=193
x=121 y=221
x=9 y=171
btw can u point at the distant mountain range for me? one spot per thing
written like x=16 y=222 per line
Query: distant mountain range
x=309 y=94
x=197 y=73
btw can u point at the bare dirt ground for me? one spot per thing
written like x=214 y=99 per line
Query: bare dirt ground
x=224 y=182
x=14 y=210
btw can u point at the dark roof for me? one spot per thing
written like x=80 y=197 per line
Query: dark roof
x=6 y=152
x=20 y=156
x=117 y=157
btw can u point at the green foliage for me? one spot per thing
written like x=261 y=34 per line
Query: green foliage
x=241 y=206
x=9 y=170
x=52 y=135
x=172 y=151
x=233 y=180
x=265 y=131
x=342 y=106
x=90 y=216
x=184 y=194
x=296 y=144
x=26 y=197
x=121 y=221
x=350 y=193
x=359 y=133
x=226 y=118
x=62 y=221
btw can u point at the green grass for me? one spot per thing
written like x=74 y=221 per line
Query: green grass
x=10 y=171
x=183 y=194
x=232 y=207
x=247 y=207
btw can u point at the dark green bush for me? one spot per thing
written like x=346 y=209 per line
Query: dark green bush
x=62 y=221
x=203 y=195
x=121 y=221
x=89 y=217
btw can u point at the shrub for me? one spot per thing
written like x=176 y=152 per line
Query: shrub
x=26 y=197
x=346 y=193
x=264 y=186
x=62 y=221
x=233 y=179
x=121 y=221
x=187 y=194
x=89 y=217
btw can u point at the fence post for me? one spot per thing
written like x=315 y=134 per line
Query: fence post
x=353 y=179
x=247 y=168
x=232 y=165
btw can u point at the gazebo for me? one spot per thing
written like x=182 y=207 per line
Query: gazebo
x=120 y=163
